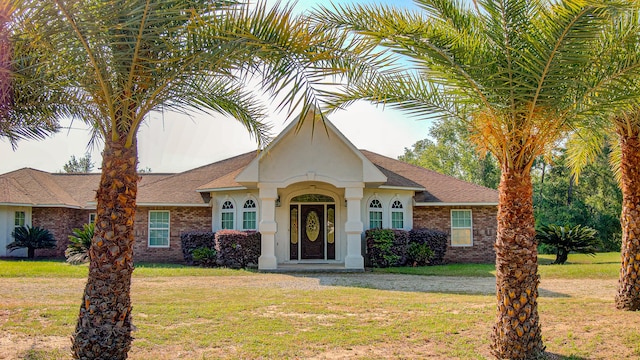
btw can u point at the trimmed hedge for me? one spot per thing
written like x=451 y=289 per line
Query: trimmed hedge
x=387 y=247
x=435 y=239
x=237 y=249
x=229 y=248
x=194 y=240
x=418 y=247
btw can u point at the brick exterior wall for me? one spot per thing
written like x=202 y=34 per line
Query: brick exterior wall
x=60 y=222
x=484 y=231
x=181 y=219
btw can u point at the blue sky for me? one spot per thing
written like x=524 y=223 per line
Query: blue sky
x=171 y=142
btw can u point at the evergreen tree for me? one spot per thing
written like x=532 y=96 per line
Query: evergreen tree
x=79 y=166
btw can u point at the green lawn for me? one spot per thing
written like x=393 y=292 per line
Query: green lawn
x=579 y=266
x=58 y=268
x=193 y=313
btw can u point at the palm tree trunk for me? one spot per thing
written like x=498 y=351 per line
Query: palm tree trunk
x=628 y=296
x=516 y=333
x=104 y=326
x=562 y=255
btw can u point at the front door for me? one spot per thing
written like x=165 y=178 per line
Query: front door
x=312 y=232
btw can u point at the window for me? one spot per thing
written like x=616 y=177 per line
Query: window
x=19 y=219
x=158 y=228
x=92 y=218
x=461 y=233
x=227 y=215
x=249 y=219
x=375 y=214
x=397 y=215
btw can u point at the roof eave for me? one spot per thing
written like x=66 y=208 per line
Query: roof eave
x=409 y=188
x=15 y=204
x=151 y=204
x=456 y=204
x=222 y=189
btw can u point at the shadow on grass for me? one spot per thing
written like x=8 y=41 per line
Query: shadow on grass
x=459 y=285
x=554 y=356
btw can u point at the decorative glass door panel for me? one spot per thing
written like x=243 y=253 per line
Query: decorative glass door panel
x=293 y=233
x=312 y=232
x=331 y=232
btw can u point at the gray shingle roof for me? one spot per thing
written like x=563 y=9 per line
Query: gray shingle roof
x=438 y=188
x=37 y=188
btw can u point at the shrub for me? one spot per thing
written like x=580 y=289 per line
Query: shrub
x=581 y=239
x=31 y=238
x=205 y=256
x=79 y=243
x=237 y=249
x=436 y=241
x=386 y=247
x=193 y=240
x=419 y=254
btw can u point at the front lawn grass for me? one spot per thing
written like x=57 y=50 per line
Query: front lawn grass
x=579 y=266
x=59 y=268
x=194 y=313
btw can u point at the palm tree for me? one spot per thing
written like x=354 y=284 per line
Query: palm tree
x=517 y=69
x=621 y=131
x=116 y=61
x=31 y=238
x=622 y=134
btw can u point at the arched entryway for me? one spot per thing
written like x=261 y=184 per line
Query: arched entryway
x=312 y=219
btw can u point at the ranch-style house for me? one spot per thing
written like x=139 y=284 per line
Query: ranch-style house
x=310 y=176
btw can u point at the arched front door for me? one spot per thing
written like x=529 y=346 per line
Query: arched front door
x=312 y=224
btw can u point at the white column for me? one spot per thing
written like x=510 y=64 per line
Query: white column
x=353 y=228
x=214 y=211
x=268 y=228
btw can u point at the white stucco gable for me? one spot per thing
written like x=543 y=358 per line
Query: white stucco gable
x=311 y=150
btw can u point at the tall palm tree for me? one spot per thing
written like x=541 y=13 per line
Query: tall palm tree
x=116 y=61
x=622 y=134
x=621 y=131
x=517 y=69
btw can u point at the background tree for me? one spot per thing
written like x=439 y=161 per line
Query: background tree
x=78 y=166
x=116 y=61
x=566 y=239
x=31 y=238
x=450 y=151
x=594 y=200
x=517 y=70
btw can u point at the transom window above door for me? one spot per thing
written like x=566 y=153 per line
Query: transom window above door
x=312 y=198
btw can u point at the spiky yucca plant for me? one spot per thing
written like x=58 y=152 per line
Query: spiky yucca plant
x=78 y=249
x=31 y=238
x=566 y=239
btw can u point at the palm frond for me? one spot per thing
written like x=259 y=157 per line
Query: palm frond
x=583 y=147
